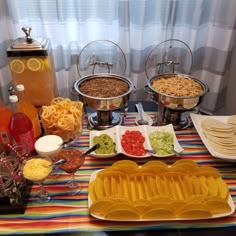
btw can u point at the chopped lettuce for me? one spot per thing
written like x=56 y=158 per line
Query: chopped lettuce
x=162 y=142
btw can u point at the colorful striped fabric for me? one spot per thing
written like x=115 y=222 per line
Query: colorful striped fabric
x=69 y=213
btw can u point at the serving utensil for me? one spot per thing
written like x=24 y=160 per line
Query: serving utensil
x=93 y=148
x=70 y=144
x=61 y=161
x=141 y=120
x=151 y=151
x=74 y=144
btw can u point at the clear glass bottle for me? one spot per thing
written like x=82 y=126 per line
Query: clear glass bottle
x=25 y=106
x=20 y=126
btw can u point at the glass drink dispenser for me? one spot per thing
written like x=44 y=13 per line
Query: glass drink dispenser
x=31 y=64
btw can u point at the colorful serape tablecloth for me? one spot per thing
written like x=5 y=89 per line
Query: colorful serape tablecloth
x=69 y=213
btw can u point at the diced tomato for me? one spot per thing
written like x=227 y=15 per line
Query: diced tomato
x=132 y=142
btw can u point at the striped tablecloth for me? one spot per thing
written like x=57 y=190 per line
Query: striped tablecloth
x=69 y=213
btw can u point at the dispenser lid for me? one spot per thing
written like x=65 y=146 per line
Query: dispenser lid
x=27 y=44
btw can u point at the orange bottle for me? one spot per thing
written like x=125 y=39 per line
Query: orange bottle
x=24 y=105
x=5 y=116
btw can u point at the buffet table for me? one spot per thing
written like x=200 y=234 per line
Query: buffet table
x=69 y=213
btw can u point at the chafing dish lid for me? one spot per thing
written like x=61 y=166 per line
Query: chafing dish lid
x=101 y=56
x=169 y=56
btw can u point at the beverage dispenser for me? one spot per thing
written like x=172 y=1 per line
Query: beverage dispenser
x=31 y=64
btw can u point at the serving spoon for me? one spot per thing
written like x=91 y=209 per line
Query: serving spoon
x=141 y=121
x=151 y=151
x=64 y=160
x=73 y=144
x=93 y=148
x=70 y=144
x=61 y=161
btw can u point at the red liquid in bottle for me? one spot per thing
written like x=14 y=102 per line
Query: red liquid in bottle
x=21 y=127
x=25 y=106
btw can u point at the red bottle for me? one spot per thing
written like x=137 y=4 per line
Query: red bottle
x=5 y=116
x=20 y=126
x=25 y=106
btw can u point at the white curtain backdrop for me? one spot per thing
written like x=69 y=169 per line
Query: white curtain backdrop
x=137 y=26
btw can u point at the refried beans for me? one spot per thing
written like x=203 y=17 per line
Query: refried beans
x=104 y=87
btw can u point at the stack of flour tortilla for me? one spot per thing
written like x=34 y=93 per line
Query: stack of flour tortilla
x=221 y=135
x=232 y=121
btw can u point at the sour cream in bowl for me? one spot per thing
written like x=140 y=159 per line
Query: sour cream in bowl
x=49 y=145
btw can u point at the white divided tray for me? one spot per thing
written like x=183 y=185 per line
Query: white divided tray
x=116 y=133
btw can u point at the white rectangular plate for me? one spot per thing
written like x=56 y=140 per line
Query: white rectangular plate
x=230 y=202
x=116 y=132
x=197 y=119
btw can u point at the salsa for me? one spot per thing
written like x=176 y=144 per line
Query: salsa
x=74 y=160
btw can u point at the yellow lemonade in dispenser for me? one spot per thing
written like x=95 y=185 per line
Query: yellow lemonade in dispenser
x=31 y=64
x=37 y=76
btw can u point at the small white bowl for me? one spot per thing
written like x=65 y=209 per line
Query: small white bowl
x=48 y=145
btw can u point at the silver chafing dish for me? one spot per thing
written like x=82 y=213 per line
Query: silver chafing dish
x=103 y=59
x=172 y=58
x=104 y=104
